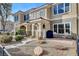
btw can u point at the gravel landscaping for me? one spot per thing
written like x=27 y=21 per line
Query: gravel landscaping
x=51 y=48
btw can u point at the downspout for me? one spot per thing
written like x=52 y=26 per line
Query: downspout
x=77 y=19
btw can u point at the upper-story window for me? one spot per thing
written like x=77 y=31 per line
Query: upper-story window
x=66 y=7
x=26 y=17
x=61 y=8
x=42 y=13
x=16 y=18
x=31 y=16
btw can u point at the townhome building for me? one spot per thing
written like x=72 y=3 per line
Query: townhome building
x=61 y=18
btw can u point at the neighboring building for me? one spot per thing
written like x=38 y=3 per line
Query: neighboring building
x=61 y=18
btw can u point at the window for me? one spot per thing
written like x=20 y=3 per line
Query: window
x=62 y=28
x=16 y=18
x=34 y=17
x=66 y=7
x=55 y=28
x=31 y=16
x=61 y=8
x=27 y=16
x=42 y=13
x=55 y=9
x=67 y=27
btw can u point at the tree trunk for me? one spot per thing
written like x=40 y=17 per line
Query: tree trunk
x=3 y=24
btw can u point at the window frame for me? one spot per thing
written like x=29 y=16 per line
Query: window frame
x=60 y=28
x=54 y=28
x=68 y=28
x=16 y=18
x=64 y=9
x=64 y=28
x=27 y=17
x=42 y=13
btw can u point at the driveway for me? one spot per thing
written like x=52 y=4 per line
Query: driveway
x=52 y=47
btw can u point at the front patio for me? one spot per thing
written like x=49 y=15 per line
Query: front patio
x=52 y=47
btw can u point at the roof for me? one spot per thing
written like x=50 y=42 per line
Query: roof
x=39 y=7
x=19 y=12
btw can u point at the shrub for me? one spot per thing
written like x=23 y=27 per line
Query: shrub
x=8 y=33
x=0 y=33
x=6 y=39
x=21 y=32
x=19 y=37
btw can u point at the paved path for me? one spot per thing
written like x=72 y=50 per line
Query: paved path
x=19 y=44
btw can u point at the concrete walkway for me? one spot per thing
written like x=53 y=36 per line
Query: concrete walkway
x=19 y=44
x=55 y=40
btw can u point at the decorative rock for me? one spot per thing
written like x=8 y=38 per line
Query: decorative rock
x=38 y=51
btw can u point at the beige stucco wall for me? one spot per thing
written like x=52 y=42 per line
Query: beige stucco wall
x=70 y=16
x=20 y=17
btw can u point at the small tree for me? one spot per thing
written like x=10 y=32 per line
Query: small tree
x=5 y=10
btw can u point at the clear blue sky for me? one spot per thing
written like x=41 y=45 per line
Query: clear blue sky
x=24 y=6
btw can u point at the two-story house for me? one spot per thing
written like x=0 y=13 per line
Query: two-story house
x=61 y=18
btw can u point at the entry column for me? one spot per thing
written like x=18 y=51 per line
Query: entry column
x=32 y=29
x=40 y=30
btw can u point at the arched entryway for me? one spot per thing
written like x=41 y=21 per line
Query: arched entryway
x=23 y=27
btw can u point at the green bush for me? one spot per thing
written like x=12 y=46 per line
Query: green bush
x=19 y=37
x=8 y=33
x=21 y=32
x=6 y=39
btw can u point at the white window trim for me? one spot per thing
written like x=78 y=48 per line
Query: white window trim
x=53 y=28
x=42 y=13
x=64 y=28
x=64 y=10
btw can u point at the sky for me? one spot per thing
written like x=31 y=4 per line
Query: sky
x=24 y=6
